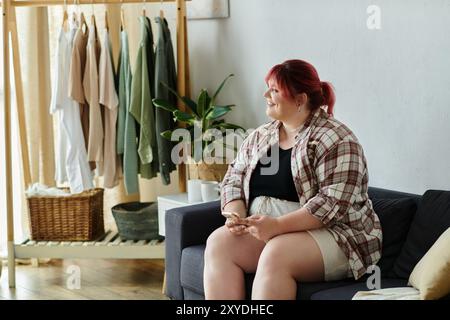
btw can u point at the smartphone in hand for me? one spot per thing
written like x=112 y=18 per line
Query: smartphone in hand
x=234 y=216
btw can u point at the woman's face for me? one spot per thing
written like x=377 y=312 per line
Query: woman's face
x=278 y=106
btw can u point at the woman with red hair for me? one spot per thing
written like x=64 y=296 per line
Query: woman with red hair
x=299 y=188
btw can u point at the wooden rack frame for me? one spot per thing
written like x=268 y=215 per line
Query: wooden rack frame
x=110 y=245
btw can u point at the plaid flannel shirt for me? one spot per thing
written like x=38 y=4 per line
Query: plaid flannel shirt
x=331 y=178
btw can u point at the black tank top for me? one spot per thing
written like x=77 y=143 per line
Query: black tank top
x=279 y=185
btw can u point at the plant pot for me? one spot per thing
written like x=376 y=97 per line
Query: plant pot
x=209 y=172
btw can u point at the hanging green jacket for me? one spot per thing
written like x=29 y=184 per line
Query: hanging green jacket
x=122 y=76
x=126 y=127
x=141 y=106
x=164 y=73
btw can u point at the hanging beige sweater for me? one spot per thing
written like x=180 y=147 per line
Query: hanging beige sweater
x=110 y=101
x=76 y=71
x=91 y=92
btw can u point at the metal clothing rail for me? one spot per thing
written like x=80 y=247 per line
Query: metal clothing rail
x=10 y=29
x=46 y=3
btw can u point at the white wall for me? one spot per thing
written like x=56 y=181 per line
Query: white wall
x=392 y=85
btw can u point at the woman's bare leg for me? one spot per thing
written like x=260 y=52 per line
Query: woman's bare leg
x=286 y=259
x=227 y=257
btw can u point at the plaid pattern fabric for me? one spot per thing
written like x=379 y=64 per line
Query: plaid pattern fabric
x=330 y=174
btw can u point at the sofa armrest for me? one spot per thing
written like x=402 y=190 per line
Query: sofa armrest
x=380 y=193
x=187 y=226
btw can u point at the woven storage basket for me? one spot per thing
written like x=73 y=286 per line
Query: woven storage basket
x=137 y=220
x=208 y=172
x=77 y=217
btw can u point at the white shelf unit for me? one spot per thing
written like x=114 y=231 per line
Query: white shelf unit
x=109 y=246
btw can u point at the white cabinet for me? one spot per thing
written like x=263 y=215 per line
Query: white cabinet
x=169 y=202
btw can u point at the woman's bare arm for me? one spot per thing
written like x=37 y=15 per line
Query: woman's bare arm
x=298 y=220
x=237 y=206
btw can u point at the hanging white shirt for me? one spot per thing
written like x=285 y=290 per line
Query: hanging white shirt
x=72 y=165
x=56 y=107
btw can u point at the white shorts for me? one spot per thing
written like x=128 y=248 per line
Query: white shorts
x=335 y=261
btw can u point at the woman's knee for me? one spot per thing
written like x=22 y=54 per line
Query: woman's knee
x=294 y=255
x=218 y=242
x=272 y=260
x=241 y=250
x=279 y=256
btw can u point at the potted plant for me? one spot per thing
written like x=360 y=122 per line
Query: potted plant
x=203 y=122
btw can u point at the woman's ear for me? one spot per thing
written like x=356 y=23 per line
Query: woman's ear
x=301 y=99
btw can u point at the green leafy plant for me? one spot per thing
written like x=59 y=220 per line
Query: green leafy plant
x=204 y=113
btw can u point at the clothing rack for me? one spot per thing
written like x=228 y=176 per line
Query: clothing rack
x=110 y=245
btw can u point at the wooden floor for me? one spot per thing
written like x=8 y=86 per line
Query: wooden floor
x=99 y=280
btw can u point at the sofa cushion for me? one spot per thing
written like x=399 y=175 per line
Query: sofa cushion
x=192 y=264
x=431 y=220
x=431 y=275
x=395 y=218
x=379 y=193
x=305 y=290
x=192 y=295
x=347 y=292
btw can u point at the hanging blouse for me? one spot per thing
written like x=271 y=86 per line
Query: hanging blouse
x=91 y=92
x=72 y=165
x=57 y=104
x=141 y=102
x=127 y=131
x=77 y=65
x=109 y=99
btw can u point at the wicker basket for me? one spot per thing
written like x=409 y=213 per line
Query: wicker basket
x=208 y=172
x=77 y=217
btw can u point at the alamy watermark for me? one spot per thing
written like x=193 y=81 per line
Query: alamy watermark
x=373 y=282
x=73 y=282
x=214 y=146
x=374 y=19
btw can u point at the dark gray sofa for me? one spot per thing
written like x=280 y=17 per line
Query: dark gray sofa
x=187 y=229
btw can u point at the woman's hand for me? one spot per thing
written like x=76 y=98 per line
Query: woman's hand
x=237 y=226
x=263 y=227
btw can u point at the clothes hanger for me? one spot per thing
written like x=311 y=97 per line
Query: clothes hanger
x=122 y=17
x=65 y=22
x=82 y=18
x=106 y=20
x=92 y=15
x=143 y=8
x=74 y=14
x=161 y=12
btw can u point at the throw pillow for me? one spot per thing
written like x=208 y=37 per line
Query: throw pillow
x=395 y=217
x=431 y=220
x=431 y=276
